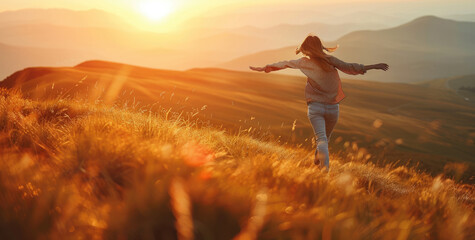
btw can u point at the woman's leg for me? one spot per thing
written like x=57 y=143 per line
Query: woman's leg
x=316 y=113
x=331 y=118
x=332 y=113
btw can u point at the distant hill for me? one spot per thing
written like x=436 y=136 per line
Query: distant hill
x=453 y=83
x=428 y=33
x=227 y=44
x=97 y=39
x=101 y=35
x=287 y=34
x=267 y=18
x=464 y=86
x=425 y=48
x=63 y=17
x=171 y=51
x=463 y=17
x=394 y=120
x=14 y=58
x=125 y=45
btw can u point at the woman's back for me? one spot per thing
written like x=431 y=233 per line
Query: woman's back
x=322 y=86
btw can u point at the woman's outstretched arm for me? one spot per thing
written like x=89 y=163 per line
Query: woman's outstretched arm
x=266 y=69
x=381 y=66
x=278 y=66
x=355 y=68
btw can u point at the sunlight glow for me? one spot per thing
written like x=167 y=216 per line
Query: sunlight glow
x=156 y=10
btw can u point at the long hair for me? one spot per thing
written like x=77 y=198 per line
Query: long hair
x=312 y=47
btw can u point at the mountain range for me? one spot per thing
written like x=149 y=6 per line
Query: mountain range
x=101 y=35
x=425 y=48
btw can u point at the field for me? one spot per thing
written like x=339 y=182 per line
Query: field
x=462 y=85
x=71 y=169
x=410 y=124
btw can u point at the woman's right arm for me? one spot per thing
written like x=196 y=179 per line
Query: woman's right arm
x=278 y=66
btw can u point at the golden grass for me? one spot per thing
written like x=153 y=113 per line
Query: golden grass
x=70 y=170
x=414 y=124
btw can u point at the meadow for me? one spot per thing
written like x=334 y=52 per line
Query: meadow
x=424 y=125
x=75 y=169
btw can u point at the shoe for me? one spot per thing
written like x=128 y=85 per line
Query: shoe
x=316 y=161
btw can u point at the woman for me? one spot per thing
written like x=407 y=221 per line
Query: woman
x=323 y=91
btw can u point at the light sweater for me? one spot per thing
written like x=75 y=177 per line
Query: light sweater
x=322 y=86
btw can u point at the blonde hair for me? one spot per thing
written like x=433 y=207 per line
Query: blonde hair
x=312 y=47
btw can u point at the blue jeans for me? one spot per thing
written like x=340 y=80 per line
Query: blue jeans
x=323 y=118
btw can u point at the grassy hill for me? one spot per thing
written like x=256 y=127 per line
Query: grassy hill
x=464 y=86
x=75 y=169
x=425 y=48
x=404 y=123
x=14 y=58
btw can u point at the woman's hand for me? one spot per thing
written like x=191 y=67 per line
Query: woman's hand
x=382 y=66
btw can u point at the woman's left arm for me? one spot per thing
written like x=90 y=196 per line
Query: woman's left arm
x=348 y=68
x=380 y=66
x=355 y=68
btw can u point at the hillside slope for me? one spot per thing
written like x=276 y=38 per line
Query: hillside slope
x=71 y=169
x=14 y=58
x=395 y=122
x=464 y=86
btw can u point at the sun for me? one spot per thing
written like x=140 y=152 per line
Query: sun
x=156 y=10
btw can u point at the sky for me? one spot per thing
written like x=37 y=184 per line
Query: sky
x=152 y=11
x=122 y=7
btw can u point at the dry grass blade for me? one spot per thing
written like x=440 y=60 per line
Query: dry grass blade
x=181 y=206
